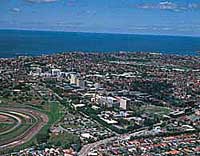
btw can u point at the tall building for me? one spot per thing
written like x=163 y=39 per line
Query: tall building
x=125 y=103
x=73 y=79
x=80 y=83
x=107 y=101
x=112 y=102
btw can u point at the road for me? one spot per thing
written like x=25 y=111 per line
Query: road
x=87 y=148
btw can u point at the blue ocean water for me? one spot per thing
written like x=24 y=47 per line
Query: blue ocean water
x=19 y=42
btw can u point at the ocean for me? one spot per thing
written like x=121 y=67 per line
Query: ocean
x=34 y=43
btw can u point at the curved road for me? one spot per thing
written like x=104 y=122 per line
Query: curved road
x=87 y=148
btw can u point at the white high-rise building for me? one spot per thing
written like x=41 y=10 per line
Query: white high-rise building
x=125 y=103
x=73 y=79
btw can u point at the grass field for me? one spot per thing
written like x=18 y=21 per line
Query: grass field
x=4 y=138
x=152 y=109
x=5 y=126
x=64 y=140
x=22 y=121
x=54 y=111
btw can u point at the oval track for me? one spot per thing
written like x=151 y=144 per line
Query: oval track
x=39 y=118
x=15 y=126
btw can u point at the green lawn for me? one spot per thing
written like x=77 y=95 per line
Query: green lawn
x=70 y=126
x=55 y=113
x=5 y=126
x=64 y=140
x=156 y=109
x=13 y=134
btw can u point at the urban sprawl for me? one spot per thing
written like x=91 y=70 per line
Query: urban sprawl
x=100 y=104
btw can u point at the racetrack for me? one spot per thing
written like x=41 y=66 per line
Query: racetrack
x=28 y=123
x=15 y=126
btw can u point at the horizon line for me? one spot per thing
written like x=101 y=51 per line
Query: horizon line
x=90 y=32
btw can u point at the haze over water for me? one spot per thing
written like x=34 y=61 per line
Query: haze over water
x=18 y=42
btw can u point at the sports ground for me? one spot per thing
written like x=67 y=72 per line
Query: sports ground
x=19 y=125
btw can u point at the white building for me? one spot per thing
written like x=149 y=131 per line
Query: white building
x=73 y=79
x=125 y=103
x=35 y=71
x=56 y=72
x=107 y=101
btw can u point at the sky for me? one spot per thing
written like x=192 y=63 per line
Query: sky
x=174 y=17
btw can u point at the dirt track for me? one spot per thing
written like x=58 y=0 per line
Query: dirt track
x=14 y=127
x=28 y=134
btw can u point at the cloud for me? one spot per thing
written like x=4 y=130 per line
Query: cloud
x=42 y=1
x=71 y=3
x=168 y=5
x=151 y=28
x=68 y=24
x=16 y=10
x=165 y=29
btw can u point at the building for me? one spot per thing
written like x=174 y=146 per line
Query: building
x=35 y=71
x=107 y=101
x=97 y=85
x=112 y=102
x=73 y=79
x=125 y=103
x=80 y=83
x=56 y=72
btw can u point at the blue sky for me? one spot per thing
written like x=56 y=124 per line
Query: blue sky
x=175 y=17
